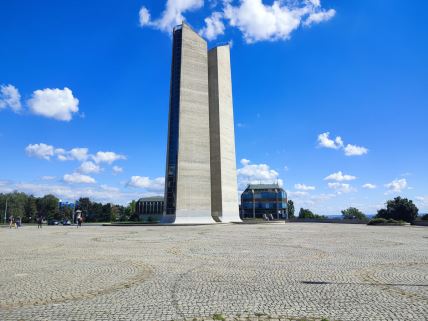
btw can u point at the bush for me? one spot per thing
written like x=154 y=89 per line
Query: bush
x=377 y=221
x=424 y=217
x=383 y=221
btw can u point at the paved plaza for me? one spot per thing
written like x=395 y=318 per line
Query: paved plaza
x=237 y=271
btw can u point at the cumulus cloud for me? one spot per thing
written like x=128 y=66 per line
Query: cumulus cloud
x=320 y=16
x=214 y=27
x=77 y=178
x=369 y=186
x=396 y=186
x=59 y=104
x=72 y=192
x=353 y=150
x=304 y=187
x=422 y=201
x=349 y=150
x=144 y=16
x=90 y=162
x=257 y=21
x=41 y=150
x=89 y=167
x=10 y=97
x=341 y=187
x=171 y=16
x=77 y=153
x=256 y=173
x=326 y=142
x=107 y=157
x=339 y=176
x=156 y=184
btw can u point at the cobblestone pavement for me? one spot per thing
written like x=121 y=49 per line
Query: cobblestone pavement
x=240 y=272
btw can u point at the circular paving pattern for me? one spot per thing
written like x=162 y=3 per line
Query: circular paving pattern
x=239 y=272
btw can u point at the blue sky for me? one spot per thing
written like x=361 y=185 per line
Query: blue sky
x=85 y=85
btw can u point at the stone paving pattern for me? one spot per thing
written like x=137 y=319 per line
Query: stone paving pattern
x=239 y=271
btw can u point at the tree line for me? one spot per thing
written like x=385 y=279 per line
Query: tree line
x=29 y=207
x=399 y=209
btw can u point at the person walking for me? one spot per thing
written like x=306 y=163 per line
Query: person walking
x=11 y=221
x=39 y=221
x=79 y=221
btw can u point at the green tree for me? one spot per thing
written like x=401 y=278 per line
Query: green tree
x=353 y=213
x=307 y=214
x=47 y=206
x=106 y=213
x=399 y=209
x=290 y=206
x=30 y=209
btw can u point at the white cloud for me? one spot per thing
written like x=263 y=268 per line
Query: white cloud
x=72 y=192
x=369 y=186
x=396 y=186
x=10 y=97
x=256 y=173
x=40 y=151
x=257 y=21
x=341 y=187
x=144 y=16
x=117 y=169
x=244 y=161
x=337 y=143
x=156 y=184
x=77 y=153
x=339 y=176
x=353 y=150
x=325 y=141
x=304 y=187
x=296 y=194
x=59 y=104
x=171 y=16
x=318 y=17
x=214 y=27
x=107 y=157
x=77 y=178
x=422 y=201
x=89 y=167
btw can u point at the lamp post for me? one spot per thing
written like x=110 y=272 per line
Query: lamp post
x=5 y=211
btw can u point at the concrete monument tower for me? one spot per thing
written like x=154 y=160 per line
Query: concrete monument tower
x=200 y=178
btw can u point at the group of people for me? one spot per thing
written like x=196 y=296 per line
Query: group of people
x=16 y=222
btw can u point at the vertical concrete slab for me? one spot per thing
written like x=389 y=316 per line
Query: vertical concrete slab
x=193 y=202
x=224 y=189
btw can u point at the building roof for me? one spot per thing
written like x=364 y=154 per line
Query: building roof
x=263 y=186
x=152 y=199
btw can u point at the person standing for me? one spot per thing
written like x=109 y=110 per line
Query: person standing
x=79 y=221
x=11 y=221
x=39 y=221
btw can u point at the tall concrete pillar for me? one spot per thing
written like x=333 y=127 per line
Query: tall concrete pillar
x=224 y=190
x=188 y=175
